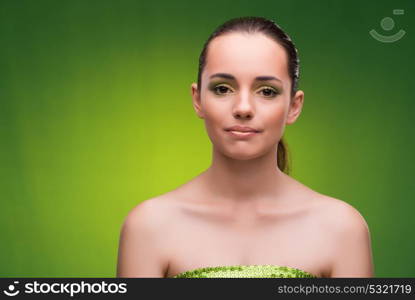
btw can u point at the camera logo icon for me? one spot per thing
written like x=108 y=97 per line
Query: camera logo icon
x=388 y=24
x=11 y=290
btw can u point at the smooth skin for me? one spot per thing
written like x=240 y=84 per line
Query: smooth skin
x=243 y=210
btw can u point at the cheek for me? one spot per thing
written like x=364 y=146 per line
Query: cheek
x=214 y=117
x=274 y=122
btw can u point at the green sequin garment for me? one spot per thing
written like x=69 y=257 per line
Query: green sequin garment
x=248 y=271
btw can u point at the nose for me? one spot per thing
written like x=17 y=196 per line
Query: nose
x=243 y=108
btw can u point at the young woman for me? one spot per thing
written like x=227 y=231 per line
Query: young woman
x=245 y=216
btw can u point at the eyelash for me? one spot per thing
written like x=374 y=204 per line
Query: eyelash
x=275 y=93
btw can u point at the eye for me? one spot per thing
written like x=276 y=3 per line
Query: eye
x=269 y=92
x=220 y=89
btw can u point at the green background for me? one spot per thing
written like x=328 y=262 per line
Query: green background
x=96 y=116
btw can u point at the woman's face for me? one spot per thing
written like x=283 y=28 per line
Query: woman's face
x=245 y=82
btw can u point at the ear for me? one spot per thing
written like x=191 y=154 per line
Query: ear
x=196 y=100
x=295 y=107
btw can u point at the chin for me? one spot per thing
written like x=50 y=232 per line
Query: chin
x=242 y=155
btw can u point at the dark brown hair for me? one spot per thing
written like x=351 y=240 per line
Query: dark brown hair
x=272 y=30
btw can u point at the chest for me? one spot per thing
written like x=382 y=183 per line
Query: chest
x=282 y=242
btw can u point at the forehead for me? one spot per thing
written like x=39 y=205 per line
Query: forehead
x=246 y=55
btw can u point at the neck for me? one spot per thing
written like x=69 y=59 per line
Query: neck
x=244 y=181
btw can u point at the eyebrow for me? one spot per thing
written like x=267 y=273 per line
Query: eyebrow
x=231 y=77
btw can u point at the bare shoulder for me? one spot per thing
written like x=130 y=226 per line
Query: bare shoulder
x=347 y=238
x=148 y=212
x=151 y=215
x=142 y=248
x=339 y=216
x=330 y=212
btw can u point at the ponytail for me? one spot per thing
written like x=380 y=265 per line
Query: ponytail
x=282 y=157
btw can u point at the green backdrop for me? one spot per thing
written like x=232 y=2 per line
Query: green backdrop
x=96 y=116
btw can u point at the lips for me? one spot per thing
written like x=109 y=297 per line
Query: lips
x=242 y=132
x=238 y=128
